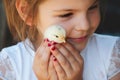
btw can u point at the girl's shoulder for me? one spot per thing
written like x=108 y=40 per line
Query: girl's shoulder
x=12 y=59
x=18 y=52
x=8 y=59
x=104 y=36
x=13 y=50
x=20 y=47
x=104 y=40
x=12 y=54
x=104 y=45
x=114 y=66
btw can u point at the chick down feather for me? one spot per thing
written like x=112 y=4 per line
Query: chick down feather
x=55 y=33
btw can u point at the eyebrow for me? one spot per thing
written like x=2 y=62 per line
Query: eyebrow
x=95 y=2
x=72 y=10
x=64 y=10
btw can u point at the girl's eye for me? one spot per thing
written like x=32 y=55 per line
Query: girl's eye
x=93 y=7
x=66 y=15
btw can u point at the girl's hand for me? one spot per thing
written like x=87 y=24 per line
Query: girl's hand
x=67 y=62
x=43 y=64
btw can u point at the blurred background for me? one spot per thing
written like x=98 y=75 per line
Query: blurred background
x=110 y=25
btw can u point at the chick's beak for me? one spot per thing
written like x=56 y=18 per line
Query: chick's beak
x=63 y=39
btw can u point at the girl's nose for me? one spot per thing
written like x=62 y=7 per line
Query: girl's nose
x=82 y=22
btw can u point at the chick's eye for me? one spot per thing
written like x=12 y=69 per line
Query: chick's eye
x=56 y=36
x=66 y=15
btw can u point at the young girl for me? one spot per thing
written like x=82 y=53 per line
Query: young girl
x=84 y=56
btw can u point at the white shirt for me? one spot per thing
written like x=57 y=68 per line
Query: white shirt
x=101 y=59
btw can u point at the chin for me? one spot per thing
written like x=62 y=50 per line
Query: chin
x=78 y=46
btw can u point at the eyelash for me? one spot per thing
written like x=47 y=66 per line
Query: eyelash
x=66 y=15
x=70 y=14
x=93 y=7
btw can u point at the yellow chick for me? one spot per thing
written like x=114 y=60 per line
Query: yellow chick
x=55 y=33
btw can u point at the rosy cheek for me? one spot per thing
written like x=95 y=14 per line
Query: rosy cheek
x=95 y=20
x=68 y=26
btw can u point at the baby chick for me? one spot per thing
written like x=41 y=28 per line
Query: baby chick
x=55 y=33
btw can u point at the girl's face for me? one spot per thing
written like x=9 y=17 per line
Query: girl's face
x=79 y=18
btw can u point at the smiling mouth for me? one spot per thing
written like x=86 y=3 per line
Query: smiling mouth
x=80 y=39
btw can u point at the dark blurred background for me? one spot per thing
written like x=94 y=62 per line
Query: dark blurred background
x=110 y=25
x=5 y=36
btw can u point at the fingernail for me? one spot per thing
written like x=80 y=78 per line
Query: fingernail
x=50 y=53
x=54 y=59
x=54 y=43
x=46 y=40
x=53 y=48
x=49 y=44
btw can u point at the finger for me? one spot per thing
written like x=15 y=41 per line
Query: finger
x=77 y=64
x=71 y=59
x=52 y=72
x=38 y=53
x=40 y=49
x=62 y=60
x=60 y=71
x=67 y=54
x=74 y=52
x=42 y=57
x=36 y=62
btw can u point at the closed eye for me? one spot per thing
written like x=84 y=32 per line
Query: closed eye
x=66 y=15
x=93 y=7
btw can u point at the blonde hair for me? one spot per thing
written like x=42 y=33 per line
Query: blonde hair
x=19 y=29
